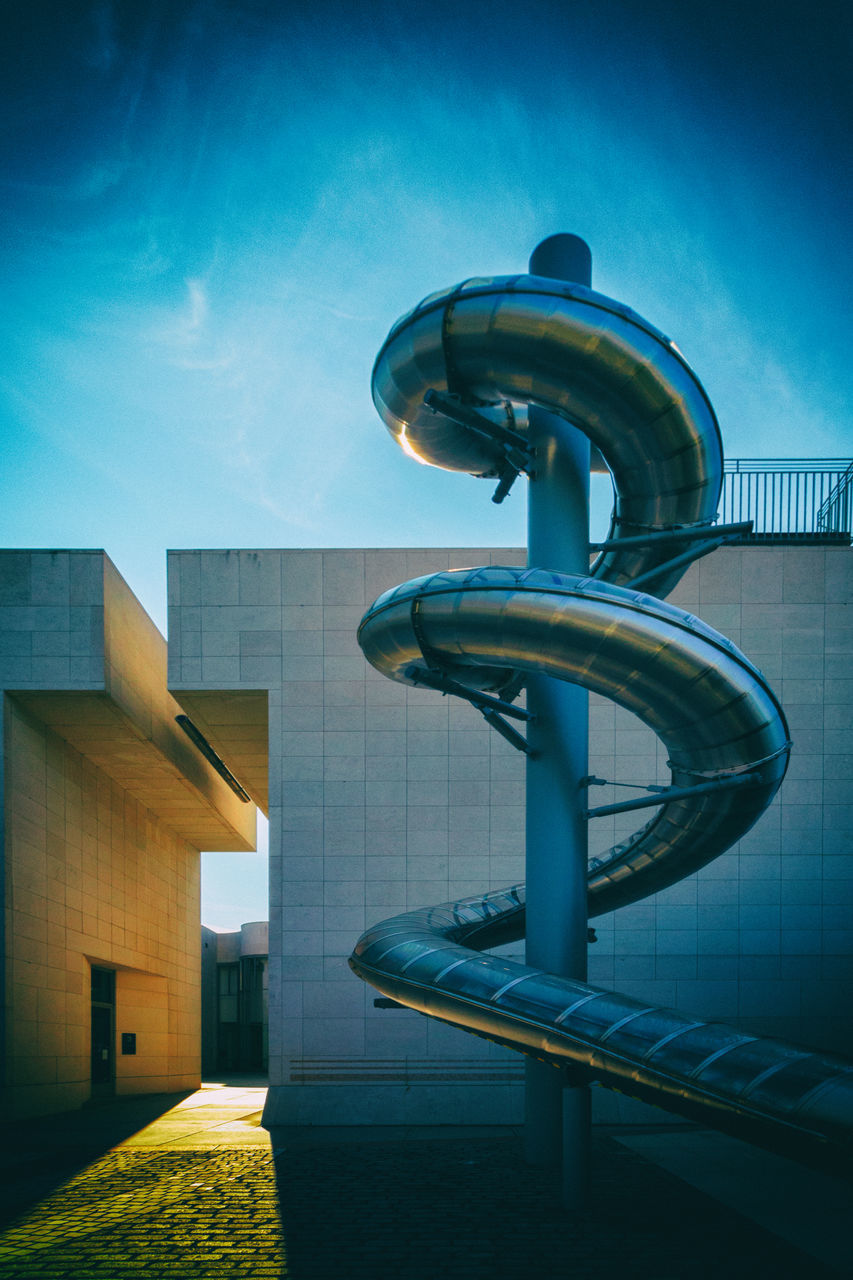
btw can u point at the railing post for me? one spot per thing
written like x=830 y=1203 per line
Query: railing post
x=789 y=498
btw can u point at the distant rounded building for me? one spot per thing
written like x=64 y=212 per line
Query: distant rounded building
x=234 y=999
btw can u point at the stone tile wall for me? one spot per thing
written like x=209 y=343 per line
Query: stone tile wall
x=383 y=798
x=90 y=875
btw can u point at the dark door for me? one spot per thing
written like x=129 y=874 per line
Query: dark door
x=103 y=1031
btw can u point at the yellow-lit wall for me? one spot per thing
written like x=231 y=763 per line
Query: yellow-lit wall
x=92 y=877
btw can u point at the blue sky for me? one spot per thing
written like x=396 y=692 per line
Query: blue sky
x=212 y=213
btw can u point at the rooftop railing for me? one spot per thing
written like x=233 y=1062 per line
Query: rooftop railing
x=790 y=500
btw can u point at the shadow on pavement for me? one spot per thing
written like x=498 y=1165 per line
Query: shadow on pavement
x=420 y=1209
x=39 y=1155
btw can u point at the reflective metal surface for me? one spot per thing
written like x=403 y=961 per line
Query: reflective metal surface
x=516 y=340
x=504 y=344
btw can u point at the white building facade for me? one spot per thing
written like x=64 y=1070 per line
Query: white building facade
x=383 y=798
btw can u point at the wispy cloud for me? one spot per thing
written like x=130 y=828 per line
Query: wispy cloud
x=188 y=326
x=189 y=337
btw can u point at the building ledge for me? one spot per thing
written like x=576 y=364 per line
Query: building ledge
x=122 y=716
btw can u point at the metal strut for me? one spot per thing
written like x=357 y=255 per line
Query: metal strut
x=514 y=446
x=666 y=794
x=696 y=552
x=706 y=538
x=687 y=533
x=491 y=709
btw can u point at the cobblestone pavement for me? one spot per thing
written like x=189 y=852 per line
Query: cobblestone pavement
x=407 y=1209
x=137 y=1213
x=465 y=1210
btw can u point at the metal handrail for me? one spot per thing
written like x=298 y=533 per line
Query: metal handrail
x=836 y=511
x=790 y=499
x=786 y=464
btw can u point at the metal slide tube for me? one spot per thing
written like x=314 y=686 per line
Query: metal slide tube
x=525 y=340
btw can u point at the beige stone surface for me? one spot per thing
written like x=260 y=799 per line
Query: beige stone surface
x=237 y=725
x=93 y=877
x=105 y=803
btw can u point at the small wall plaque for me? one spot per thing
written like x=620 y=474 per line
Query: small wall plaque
x=128 y=1042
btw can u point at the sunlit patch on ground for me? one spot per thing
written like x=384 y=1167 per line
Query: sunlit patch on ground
x=149 y=1212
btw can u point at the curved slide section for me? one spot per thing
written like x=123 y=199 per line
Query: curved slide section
x=498 y=346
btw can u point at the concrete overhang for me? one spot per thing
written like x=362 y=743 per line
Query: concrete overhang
x=126 y=724
x=236 y=724
x=155 y=763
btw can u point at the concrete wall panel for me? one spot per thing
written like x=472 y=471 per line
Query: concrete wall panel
x=383 y=797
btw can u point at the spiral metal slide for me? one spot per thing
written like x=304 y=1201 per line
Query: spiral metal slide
x=489 y=348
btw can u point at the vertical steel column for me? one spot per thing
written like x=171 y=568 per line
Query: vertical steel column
x=557 y=1113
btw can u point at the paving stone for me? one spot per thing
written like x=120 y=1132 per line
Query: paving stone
x=327 y=1206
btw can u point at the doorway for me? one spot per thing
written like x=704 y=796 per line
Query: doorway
x=103 y=1032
